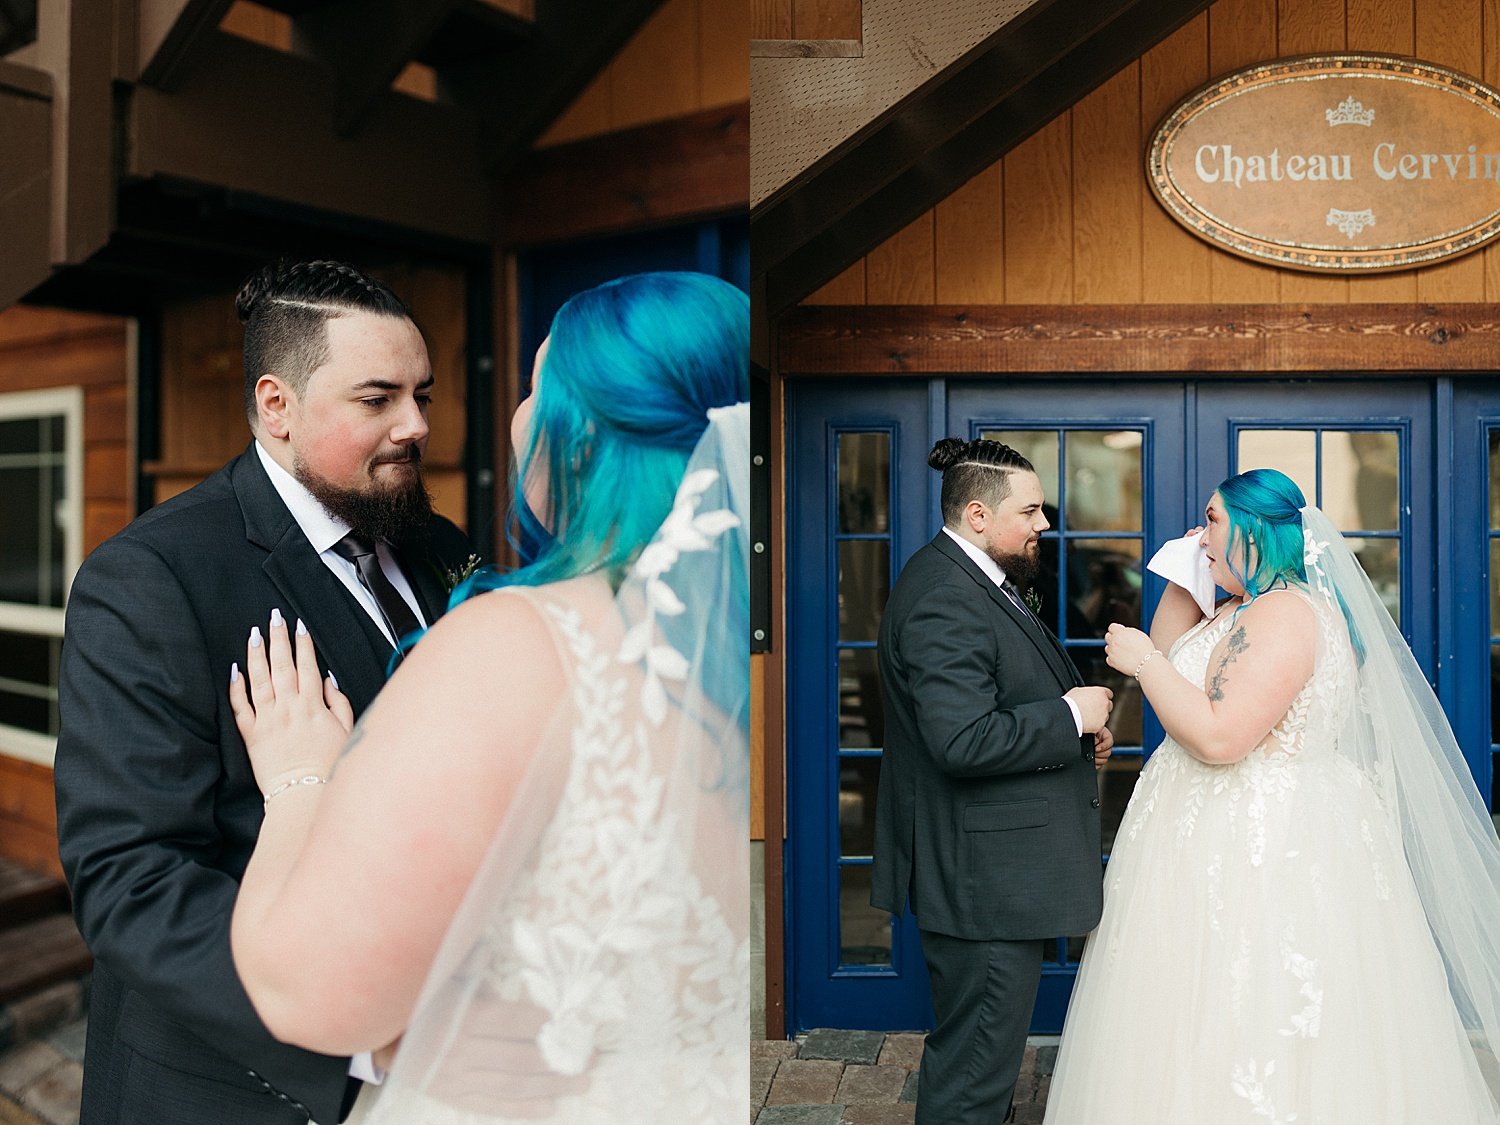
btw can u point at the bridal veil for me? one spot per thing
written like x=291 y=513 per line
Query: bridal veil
x=599 y=966
x=1398 y=735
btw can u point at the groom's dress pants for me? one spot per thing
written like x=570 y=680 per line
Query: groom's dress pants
x=983 y=993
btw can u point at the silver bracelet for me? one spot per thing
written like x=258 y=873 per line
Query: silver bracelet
x=1142 y=664
x=309 y=779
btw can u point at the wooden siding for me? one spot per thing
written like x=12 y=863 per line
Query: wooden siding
x=41 y=349
x=806 y=19
x=1066 y=217
x=691 y=55
x=44 y=348
x=28 y=816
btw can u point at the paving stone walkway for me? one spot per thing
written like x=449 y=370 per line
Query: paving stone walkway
x=825 y=1077
x=41 y=1080
x=829 y=1077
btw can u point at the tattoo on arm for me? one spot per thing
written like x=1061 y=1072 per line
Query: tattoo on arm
x=1237 y=645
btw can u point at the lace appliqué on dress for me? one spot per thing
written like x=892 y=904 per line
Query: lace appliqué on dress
x=614 y=937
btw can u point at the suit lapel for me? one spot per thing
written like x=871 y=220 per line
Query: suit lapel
x=1040 y=637
x=421 y=571
x=349 y=643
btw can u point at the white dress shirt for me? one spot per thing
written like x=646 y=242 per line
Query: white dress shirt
x=323 y=531
x=993 y=572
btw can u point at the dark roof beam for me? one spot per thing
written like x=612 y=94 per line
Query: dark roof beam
x=515 y=101
x=366 y=44
x=474 y=30
x=945 y=133
x=167 y=34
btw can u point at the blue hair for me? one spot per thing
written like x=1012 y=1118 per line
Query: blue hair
x=622 y=399
x=633 y=367
x=1265 y=505
x=1265 y=509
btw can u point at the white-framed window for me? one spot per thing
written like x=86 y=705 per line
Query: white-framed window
x=41 y=546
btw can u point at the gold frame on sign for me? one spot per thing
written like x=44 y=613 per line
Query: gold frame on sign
x=1301 y=256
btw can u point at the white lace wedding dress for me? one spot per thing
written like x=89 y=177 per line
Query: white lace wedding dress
x=1263 y=956
x=603 y=948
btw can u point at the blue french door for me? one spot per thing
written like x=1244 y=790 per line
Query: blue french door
x=858 y=500
x=1361 y=450
x=1125 y=464
x=1469 y=545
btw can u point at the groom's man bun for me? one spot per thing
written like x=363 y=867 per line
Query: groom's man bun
x=974 y=470
x=285 y=308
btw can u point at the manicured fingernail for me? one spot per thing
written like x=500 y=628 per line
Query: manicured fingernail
x=301 y=628
x=277 y=619
x=234 y=672
x=255 y=636
x=332 y=679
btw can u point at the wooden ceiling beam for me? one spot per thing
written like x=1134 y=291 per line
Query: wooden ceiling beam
x=1203 y=340
x=515 y=98
x=946 y=132
x=665 y=172
x=253 y=119
x=25 y=179
x=168 y=32
x=366 y=44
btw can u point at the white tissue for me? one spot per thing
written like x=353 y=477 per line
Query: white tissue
x=1183 y=563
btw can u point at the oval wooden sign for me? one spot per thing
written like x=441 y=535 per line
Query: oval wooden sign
x=1353 y=163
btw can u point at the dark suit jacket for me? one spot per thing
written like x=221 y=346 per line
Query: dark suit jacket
x=158 y=810
x=987 y=815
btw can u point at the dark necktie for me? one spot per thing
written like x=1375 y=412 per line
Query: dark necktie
x=361 y=552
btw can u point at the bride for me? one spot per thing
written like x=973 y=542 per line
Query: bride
x=1302 y=909
x=528 y=862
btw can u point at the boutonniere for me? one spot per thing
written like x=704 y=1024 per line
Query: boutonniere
x=453 y=578
x=1033 y=600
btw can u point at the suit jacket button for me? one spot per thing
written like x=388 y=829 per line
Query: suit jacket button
x=1095 y=802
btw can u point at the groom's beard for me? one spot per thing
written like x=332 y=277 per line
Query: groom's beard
x=1022 y=568
x=391 y=510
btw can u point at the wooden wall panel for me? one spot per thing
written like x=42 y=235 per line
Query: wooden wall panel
x=1066 y=218
x=826 y=19
x=258 y=24
x=1107 y=189
x=901 y=268
x=202 y=385
x=723 y=54
x=806 y=19
x=1490 y=45
x=28 y=816
x=1304 y=27
x=589 y=116
x=1448 y=32
x=1039 y=217
x=29 y=324
x=41 y=349
x=848 y=288
x=1382 y=25
x=1241 y=32
x=656 y=73
x=690 y=55
x=1175 y=266
x=771 y=19
x=969 y=242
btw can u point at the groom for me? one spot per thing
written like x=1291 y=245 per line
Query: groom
x=987 y=816
x=325 y=517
